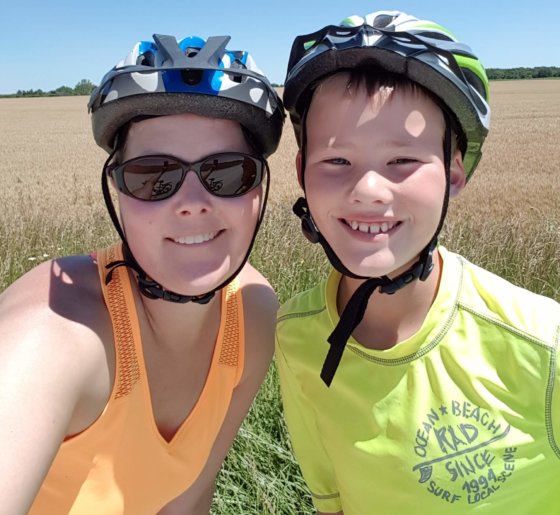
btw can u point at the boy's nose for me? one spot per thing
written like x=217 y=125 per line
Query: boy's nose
x=372 y=187
x=192 y=197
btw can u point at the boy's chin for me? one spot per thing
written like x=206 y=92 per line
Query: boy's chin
x=377 y=266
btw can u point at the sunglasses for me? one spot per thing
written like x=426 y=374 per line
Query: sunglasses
x=158 y=177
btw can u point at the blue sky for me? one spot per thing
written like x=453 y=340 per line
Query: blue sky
x=49 y=44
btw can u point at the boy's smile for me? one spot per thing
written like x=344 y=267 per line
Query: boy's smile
x=375 y=177
x=375 y=231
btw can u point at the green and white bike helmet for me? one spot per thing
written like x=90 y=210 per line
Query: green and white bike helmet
x=420 y=50
x=423 y=52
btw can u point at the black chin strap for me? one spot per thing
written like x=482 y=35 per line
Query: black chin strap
x=353 y=312
x=311 y=232
x=147 y=286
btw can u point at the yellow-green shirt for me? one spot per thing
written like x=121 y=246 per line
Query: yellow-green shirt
x=462 y=417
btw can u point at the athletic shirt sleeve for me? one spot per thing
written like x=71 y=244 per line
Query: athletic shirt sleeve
x=311 y=455
x=554 y=406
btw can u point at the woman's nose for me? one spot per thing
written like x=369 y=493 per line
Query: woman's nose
x=192 y=197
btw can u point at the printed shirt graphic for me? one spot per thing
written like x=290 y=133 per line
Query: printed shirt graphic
x=462 y=417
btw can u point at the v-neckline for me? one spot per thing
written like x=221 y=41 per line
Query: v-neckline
x=205 y=388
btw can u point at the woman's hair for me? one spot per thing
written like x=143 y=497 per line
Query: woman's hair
x=122 y=136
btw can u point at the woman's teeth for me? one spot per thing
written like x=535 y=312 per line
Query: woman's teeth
x=199 y=238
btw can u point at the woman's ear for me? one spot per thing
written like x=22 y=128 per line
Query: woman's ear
x=457 y=174
x=299 y=170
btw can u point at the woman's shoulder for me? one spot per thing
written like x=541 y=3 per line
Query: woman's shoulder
x=57 y=308
x=260 y=305
x=56 y=337
x=259 y=297
x=66 y=286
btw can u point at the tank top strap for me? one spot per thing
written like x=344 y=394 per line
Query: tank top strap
x=232 y=352
x=126 y=329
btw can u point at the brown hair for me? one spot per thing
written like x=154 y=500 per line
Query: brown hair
x=375 y=79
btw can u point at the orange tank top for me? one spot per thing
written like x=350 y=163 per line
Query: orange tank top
x=121 y=464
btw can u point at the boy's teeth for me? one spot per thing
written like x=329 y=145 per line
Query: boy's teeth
x=370 y=228
x=199 y=238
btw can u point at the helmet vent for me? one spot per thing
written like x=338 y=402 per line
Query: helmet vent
x=435 y=35
x=192 y=77
x=237 y=63
x=383 y=20
x=146 y=59
x=191 y=51
x=475 y=82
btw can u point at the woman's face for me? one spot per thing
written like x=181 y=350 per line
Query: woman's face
x=192 y=241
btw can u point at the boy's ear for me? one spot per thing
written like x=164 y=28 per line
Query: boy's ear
x=298 y=167
x=457 y=177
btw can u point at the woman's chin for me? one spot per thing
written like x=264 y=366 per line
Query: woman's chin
x=198 y=284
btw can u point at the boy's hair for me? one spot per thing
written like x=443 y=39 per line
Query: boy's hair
x=375 y=79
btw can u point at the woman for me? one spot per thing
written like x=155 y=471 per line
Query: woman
x=125 y=374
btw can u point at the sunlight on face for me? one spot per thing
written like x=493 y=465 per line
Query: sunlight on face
x=374 y=176
x=415 y=123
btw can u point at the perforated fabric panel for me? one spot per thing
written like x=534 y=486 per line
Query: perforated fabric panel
x=230 y=345
x=128 y=367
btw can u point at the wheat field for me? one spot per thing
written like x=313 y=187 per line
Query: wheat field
x=506 y=220
x=50 y=176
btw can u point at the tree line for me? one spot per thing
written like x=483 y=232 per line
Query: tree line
x=538 y=72
x=85 y=87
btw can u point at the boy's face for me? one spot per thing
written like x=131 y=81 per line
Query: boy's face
x=375 y=177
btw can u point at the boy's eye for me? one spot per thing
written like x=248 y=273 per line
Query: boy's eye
x=403 y=161
x=338 y=161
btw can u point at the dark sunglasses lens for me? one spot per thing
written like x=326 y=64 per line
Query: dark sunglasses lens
x=152 y=178
x=231 y=175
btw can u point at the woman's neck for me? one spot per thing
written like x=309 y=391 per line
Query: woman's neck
x=170 y=324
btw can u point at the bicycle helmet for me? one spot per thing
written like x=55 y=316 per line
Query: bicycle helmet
x=193 y=75
x=422 y=52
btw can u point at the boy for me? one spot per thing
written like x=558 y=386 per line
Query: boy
x=446 y=398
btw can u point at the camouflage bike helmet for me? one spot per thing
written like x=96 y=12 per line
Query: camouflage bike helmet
x=422 y=52
x=193 y=75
